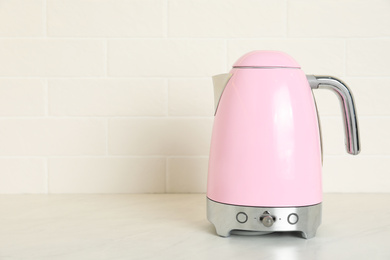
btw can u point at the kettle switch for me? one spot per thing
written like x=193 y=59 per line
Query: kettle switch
x=267 y=220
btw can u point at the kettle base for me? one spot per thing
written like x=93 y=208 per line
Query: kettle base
x=262 y=220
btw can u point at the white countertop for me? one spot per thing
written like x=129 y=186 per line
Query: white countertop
x=174 y=226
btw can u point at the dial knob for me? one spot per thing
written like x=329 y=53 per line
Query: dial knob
x=267 y=220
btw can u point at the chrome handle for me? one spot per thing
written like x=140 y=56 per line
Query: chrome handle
x=352 y=141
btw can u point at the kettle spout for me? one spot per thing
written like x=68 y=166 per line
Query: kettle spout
x=220 y=81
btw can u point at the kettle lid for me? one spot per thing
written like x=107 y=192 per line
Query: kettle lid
x=267 y=59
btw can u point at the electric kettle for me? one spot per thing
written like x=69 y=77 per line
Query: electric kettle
x=266 y=149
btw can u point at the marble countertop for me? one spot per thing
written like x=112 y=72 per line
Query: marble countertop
x=174 y=226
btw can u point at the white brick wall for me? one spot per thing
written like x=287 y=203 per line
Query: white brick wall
x=52 y=58
x=100 y=96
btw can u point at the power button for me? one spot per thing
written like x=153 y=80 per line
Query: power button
x=292 y=219
x=242 y=217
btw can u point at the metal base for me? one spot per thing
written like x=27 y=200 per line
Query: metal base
x=227 y=218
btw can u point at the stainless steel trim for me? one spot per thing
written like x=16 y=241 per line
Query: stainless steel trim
x=223 y=216
x=345 y=96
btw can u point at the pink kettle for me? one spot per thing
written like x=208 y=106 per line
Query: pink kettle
x=266 y=151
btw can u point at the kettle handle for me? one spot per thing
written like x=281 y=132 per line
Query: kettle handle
x=352 y=141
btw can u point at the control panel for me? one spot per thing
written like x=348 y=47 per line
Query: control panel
x=267 y=219
x=227 y=218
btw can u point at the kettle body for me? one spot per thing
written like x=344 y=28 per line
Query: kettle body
x=266 y=153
